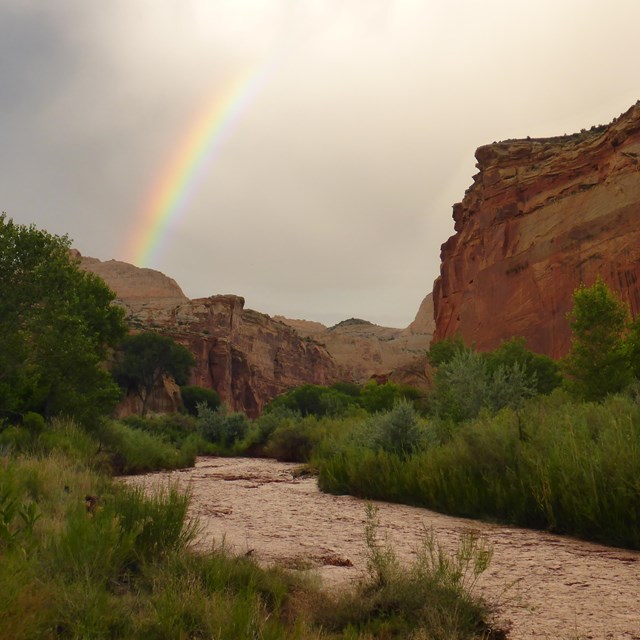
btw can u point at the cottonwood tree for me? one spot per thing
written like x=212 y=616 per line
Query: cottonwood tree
x=57 y=325
x=598 y=362
x=147 y=357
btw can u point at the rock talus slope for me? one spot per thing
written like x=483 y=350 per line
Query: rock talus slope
x=541 y=217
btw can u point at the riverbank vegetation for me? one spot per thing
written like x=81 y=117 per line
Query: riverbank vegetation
x=82 y=556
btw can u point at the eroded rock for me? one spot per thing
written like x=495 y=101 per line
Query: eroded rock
x=541 y=217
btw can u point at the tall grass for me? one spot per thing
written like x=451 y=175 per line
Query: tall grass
x=565 y=466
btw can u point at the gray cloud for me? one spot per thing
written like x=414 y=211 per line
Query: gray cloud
x=332 y=195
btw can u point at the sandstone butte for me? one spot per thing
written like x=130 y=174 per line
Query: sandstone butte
x=249 y=357
x=541 y=217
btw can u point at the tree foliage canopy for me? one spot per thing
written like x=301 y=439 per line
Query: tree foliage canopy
x=57 y=324
x=146 y=358
x=598 y=362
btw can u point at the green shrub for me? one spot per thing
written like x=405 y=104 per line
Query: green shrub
x=556 y=464
x=292 y=440
x=220 y=426
x=135 y=451
x=398 y=431
x=192 y=396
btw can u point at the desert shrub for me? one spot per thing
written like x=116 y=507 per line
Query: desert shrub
x=171 y=427
x=220 y=426
x=293 y=440
x=136 y=451
x=541 y=369
x=312 y=399
x=466 y=384
x=398 y=431
x=192 y=396
x=574 y=471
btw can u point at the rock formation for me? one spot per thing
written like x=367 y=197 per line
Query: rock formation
x=363 y=350
x=248 y=357
x=541 y=217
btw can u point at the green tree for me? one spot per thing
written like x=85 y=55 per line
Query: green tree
x=633 y=347
x=57 y=325
x=443 y=351
x=192 y=396
x=146 y=358
x=545 y=369
x=466 y=384
x=598 y=362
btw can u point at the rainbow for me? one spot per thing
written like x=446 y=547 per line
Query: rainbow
x=168 y=200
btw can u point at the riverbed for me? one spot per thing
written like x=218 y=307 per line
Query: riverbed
x=542 y=586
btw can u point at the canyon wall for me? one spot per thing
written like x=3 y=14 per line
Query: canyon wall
x=541 y=217
x=248 y=357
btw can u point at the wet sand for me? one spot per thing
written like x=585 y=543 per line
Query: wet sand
x=542 y=585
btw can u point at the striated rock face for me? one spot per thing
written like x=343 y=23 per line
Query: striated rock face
x=542 y=216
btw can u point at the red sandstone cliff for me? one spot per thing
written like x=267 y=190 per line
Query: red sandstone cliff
x=542 y=216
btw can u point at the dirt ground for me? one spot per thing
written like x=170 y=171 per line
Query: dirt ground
x=542 y=585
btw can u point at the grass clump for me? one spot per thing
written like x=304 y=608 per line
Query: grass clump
x=434 y=598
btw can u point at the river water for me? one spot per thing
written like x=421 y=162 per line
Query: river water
x=541 y=585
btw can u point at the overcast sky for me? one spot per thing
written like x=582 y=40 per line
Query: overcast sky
x=332 y=193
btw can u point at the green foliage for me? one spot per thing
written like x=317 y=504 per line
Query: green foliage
x=221 y=426
x=132 y=450
x=397 y=431
x=466 y=384
x=57 y=324
x=543 y=369
x=432 y=598
x=443 y=351
x=293 y=439
x=192 y=396
x=311 y=399
x=88 y=558
x=376 y=397
x=598 y=362
x=146 y=358
x=633 y=347
x=342 y=399
x=576 y=472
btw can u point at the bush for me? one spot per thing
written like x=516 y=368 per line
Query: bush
x=466 y=384
x=221 y=427
x=292 y=440
x=397 y=431
x=192 y=396
x=134 y=451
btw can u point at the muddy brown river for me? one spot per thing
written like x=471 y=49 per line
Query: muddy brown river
x=541 y=585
